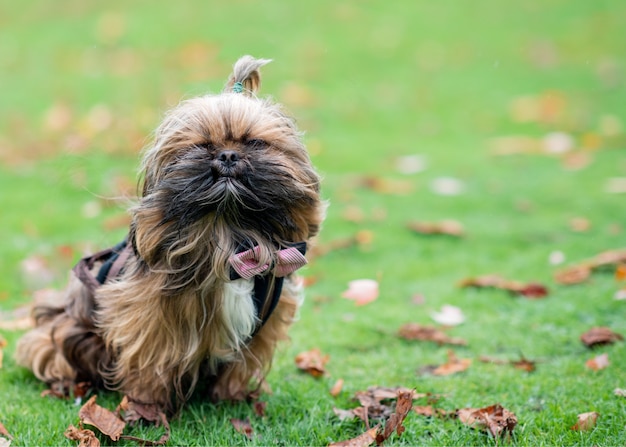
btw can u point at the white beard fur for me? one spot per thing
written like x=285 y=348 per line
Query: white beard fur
x=238 y=311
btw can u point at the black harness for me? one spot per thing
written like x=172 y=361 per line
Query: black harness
x=267 y=287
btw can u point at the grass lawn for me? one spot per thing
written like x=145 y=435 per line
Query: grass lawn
x=408 y=108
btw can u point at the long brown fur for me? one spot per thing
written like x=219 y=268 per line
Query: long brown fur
x=158 y=331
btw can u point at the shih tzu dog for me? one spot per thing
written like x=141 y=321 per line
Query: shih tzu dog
x=202 y=288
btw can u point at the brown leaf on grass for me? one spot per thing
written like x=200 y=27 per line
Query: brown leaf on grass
x=336 y=388
x=597 y=336
x=415 y=331
x=523 y=363
x=259 y=408
x=363 y=440
x=372 y=406
x=404 y=404
x=445 y=227
x=3 y=344
x=452 y=366
x=104 y=420
x=494 y=419
x=387 y=186
x=4 y=432
x=134 y=411
x=599 y=362
x=353 y=213
x=573 y=275
x=586 y=421
x=620 y=272
x=580 y=272
x=312 y=362
x=243 y=426
x=376 y=394
x=86 y=438
x=529 y=290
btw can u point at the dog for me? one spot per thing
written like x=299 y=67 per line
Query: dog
x=203 y=287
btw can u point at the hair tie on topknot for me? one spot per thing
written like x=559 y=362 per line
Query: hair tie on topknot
x=237 y=87
x=246 y=77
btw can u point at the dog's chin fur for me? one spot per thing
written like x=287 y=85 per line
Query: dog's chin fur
x=224 y=171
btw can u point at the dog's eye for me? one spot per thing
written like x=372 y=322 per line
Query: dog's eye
x=256 y=143
x=208 y=146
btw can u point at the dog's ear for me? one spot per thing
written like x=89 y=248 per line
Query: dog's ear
x=246 y=77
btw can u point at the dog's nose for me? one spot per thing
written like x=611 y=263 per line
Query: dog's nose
x=228 y=157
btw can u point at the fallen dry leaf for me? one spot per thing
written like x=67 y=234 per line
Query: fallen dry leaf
x=580 y=272
x=579 y=224
x=444 y=227
x=599 y=362
x=4 y=432
x=104 y=420
x=586 y=421
x=86 y=438
x=387 y=186
x=312 y=362
x=362 y=291
x=404 y=404
x=134 y=411
x=448 y=316
x=573 y=275
x=259 y=408
x=3 y=344
x=354 y=214
x=523 y=363
x=415 y=331
x=494 y=419
x=620 y=272
x=336 y=388
x=529 y=290
x=597 y=336
x=363 y=440
x=243 y=426
x=620 y=392
x=372 y=406
x=452 y=366
x=376 y=394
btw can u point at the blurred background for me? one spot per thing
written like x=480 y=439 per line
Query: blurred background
x=510 y=118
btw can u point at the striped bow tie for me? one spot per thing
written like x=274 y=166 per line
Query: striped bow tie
x=246 y=265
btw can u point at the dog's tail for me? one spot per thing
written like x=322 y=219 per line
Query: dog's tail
x=246 y=77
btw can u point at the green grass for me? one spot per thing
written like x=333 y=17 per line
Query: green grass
x=368 y=81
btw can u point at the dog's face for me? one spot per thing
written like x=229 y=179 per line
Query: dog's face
x=224 y=170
